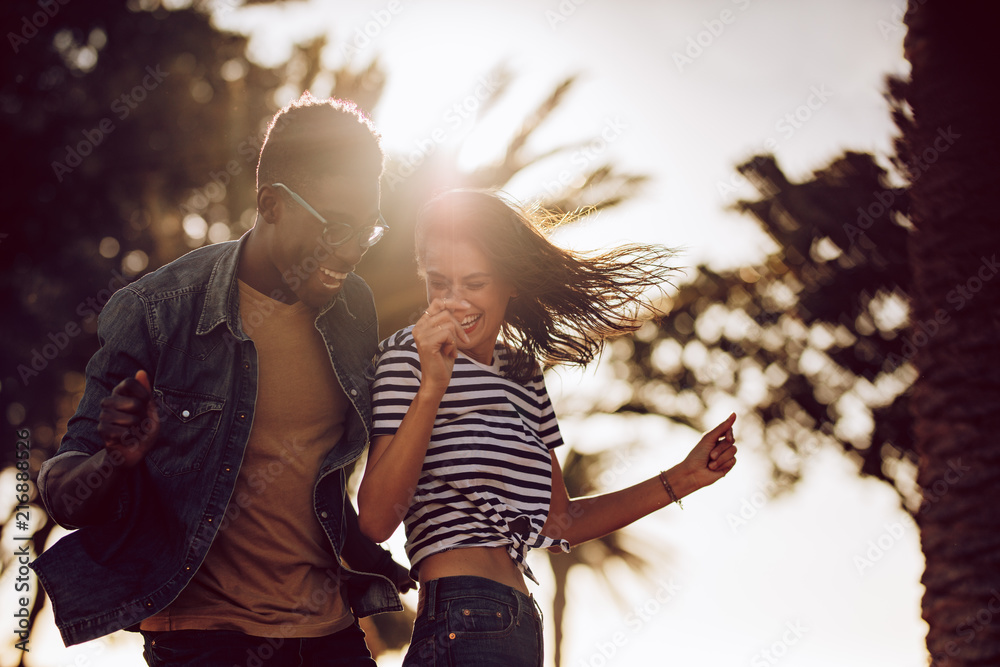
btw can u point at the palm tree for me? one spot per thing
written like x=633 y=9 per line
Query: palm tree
x=802 y=336
x=390 y=268
x=951 y=149
x=580 y=472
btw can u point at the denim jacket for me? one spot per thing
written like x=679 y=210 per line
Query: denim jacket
x=181 y=324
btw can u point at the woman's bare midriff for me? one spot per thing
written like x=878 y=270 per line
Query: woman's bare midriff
x=489 y=562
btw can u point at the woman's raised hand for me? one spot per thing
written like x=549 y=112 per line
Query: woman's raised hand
x=713 y=456
x=437 y=334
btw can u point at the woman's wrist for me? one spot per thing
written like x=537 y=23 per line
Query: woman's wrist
x=679 y=480
x=430 y=393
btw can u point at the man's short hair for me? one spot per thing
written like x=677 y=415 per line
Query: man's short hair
x=310 y=139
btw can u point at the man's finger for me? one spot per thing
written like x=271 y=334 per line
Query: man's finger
x=143 y=378
x=133 y=388
x=122 y=403
x=112 y=416
x=109 y=431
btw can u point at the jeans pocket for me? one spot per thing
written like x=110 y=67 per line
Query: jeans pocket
x=165 y=648
x=482 y=617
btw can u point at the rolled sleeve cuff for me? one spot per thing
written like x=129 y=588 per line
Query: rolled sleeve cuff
x=43 y=474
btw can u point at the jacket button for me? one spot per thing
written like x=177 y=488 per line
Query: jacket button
x=354 y=392
x=209 y=519
x=246 y=366
x=451 y=635
x=227 y=469
x=186 y=414
x=324 y=514
x=243 y=415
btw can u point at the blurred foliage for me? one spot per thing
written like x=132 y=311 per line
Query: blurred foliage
x=810 y=340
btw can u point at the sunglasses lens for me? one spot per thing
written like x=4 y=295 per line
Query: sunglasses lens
x=371 y=235
x=338 y=234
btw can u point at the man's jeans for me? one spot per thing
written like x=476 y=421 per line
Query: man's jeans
x=225 y=648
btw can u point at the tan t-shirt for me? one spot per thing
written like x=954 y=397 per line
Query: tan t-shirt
x=268 y=572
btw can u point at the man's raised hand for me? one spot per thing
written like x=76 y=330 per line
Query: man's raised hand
x=129 y=421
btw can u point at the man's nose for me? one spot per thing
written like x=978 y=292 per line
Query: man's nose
x=350 y=253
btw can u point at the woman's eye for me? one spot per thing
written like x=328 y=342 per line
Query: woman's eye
x=438 y=286
x=475 y=286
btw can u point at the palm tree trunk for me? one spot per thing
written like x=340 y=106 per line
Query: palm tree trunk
x=560 y=570
x=951 y=151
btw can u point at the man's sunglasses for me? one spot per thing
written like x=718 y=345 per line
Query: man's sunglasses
x=338 y=233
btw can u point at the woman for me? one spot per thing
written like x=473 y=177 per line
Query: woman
x=464 y=431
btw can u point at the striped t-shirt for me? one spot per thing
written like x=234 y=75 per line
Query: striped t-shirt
x=487 y=476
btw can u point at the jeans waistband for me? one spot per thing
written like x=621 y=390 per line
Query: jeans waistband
x=437 y=591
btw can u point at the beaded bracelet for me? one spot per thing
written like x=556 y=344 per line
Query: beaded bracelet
x=666 y=485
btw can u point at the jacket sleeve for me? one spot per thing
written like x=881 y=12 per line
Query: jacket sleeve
x=126 y=347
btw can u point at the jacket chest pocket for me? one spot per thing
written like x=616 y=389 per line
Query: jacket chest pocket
x=189 y=423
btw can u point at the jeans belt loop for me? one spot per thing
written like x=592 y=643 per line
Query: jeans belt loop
x=430 y=598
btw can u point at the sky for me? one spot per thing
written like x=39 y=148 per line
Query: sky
x=682 y=91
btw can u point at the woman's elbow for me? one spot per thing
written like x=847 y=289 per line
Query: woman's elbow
x=373 y=527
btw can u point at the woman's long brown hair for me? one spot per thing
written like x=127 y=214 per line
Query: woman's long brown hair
x=567 y=302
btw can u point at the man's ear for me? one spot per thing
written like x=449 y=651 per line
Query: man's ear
x=269 y=204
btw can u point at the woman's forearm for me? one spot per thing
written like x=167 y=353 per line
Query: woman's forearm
x=585 y=519
x=590 y=518
x=394 y=468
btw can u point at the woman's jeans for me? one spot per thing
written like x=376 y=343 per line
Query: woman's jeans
x=224 y=648
x=475 y=622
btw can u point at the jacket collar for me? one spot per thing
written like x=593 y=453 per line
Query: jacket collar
x=222 y=294
x=222 y=299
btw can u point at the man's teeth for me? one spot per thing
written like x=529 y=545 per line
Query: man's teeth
x=469 y=320
x=333 y=274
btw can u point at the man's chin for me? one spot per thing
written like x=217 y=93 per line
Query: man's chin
x=317 y=298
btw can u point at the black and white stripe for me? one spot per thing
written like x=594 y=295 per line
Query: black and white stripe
x=488 y=462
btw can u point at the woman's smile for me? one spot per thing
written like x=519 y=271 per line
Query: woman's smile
x=458 y=269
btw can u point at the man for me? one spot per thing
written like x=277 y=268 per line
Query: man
x=205 y=465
